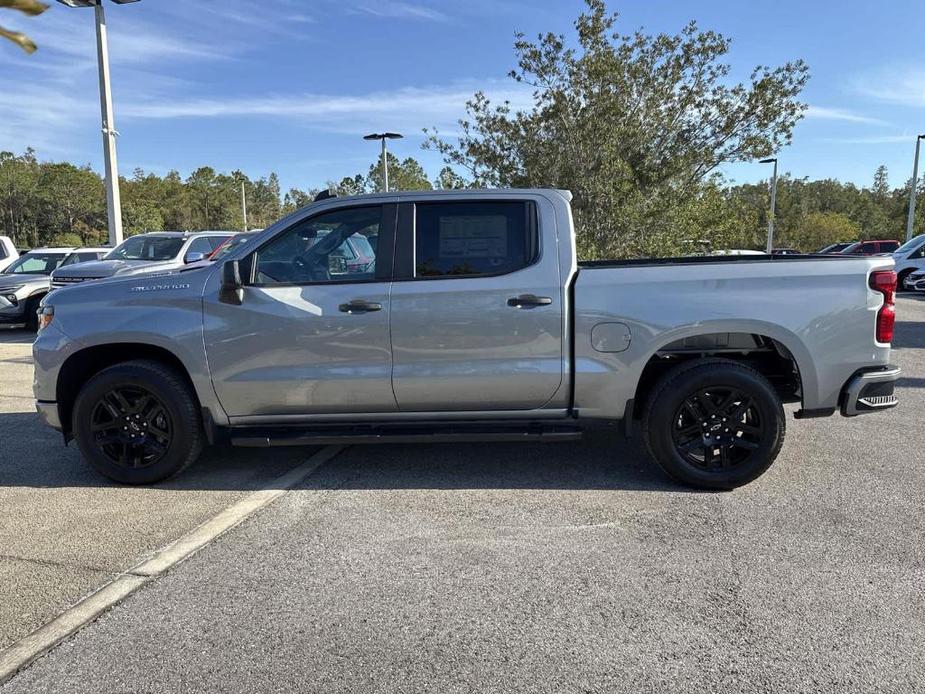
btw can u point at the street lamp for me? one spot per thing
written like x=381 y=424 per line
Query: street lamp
x=915 y=184
x=113 y=200
x=771 y=160
x=385 y=160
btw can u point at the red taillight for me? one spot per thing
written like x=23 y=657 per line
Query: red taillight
x=884 y=281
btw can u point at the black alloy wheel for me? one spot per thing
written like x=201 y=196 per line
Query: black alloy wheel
x=131 y=427
x=713 y=423
x=717 y=428
x=138 y=421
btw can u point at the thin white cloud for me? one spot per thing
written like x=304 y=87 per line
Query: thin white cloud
x=403 y=10
x=870 y=140
x=898 y=85
x=828 y=113
x=409 y=109
x=68 y=35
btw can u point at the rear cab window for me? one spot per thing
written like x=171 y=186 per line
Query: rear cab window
x=473 y=239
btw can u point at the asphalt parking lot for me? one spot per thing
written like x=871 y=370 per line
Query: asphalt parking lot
x=566 y=567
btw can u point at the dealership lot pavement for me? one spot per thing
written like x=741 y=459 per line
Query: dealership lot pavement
x=570 y=567
x=64 y=531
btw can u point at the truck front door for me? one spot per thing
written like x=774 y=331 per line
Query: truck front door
x=477 y=307
x=311 y=335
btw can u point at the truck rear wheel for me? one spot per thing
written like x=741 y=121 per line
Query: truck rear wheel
x=714 y=424
x=137 y=422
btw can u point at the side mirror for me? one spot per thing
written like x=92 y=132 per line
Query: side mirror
x=232 y=291
x=194 y=257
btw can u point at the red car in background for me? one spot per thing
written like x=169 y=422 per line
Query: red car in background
x=870 y=248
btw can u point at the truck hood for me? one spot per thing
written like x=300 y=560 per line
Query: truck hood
x=13 y=280
x=108 y=268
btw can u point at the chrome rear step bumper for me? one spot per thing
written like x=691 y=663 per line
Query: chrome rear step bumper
x=870 y=391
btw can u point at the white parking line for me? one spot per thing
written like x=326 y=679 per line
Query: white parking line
x=22 y=652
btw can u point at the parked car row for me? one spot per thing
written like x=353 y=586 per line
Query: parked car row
x=29 y=277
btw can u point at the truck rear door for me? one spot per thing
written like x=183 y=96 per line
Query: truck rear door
x=477 y=306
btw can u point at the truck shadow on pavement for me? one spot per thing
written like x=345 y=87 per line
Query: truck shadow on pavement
x=16 y=336
x=909 y=335
x=599 y=462
x=34 y=456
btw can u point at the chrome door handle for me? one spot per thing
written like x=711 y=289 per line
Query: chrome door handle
x=360 y=306
x=529 y=301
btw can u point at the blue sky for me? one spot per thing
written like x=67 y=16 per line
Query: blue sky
x=291 y=85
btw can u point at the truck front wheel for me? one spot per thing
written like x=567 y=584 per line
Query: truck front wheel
x=713 y=424
x=137 y=422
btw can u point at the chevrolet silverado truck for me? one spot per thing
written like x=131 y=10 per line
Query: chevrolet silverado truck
x=474 y=321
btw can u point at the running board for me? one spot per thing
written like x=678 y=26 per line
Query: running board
x=266 y=439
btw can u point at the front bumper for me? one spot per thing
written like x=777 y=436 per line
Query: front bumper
x=48 y=412
x=870 y=390
x=12 y=313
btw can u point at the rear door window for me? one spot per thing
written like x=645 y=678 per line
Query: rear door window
x=473 y=239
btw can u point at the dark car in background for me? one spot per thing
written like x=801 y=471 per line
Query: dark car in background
x=834 y=248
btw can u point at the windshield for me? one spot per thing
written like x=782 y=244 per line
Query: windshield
x=149 y=248
x=37 y=263
x=912 y=243
x=230 y=245
x=82 y=257
x=361 y=243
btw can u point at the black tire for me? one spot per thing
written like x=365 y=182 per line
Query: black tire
x=146 y=397
x=32 y=316
x=900 y=278
x=713 y=424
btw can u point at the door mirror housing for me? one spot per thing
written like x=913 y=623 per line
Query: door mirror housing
x=194 y=257
x=232 y=290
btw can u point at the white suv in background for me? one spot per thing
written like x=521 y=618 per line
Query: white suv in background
x=909 y=258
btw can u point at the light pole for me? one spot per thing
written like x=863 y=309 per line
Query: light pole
x=915 y=183
x=771 y=160
x=113 y=200
x=385 y=159
x=244 y=205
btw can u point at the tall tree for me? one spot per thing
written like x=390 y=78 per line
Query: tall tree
x=632 y=124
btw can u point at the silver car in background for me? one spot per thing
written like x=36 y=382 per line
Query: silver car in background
x=27 y=280
x=158 y=251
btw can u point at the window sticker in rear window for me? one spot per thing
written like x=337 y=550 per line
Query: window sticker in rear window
x=483 y=236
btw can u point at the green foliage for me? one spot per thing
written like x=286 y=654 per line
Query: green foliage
x=633 y=125
x=41 y=201
x=819 y=229
x=67 y=240
x=403 y=175
x=448 y=179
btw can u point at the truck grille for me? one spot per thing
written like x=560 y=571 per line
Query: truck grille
x=58 y=282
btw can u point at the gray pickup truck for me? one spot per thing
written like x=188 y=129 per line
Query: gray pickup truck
x=475 y=320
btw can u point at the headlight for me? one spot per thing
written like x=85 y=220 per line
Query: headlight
x=46 y=316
